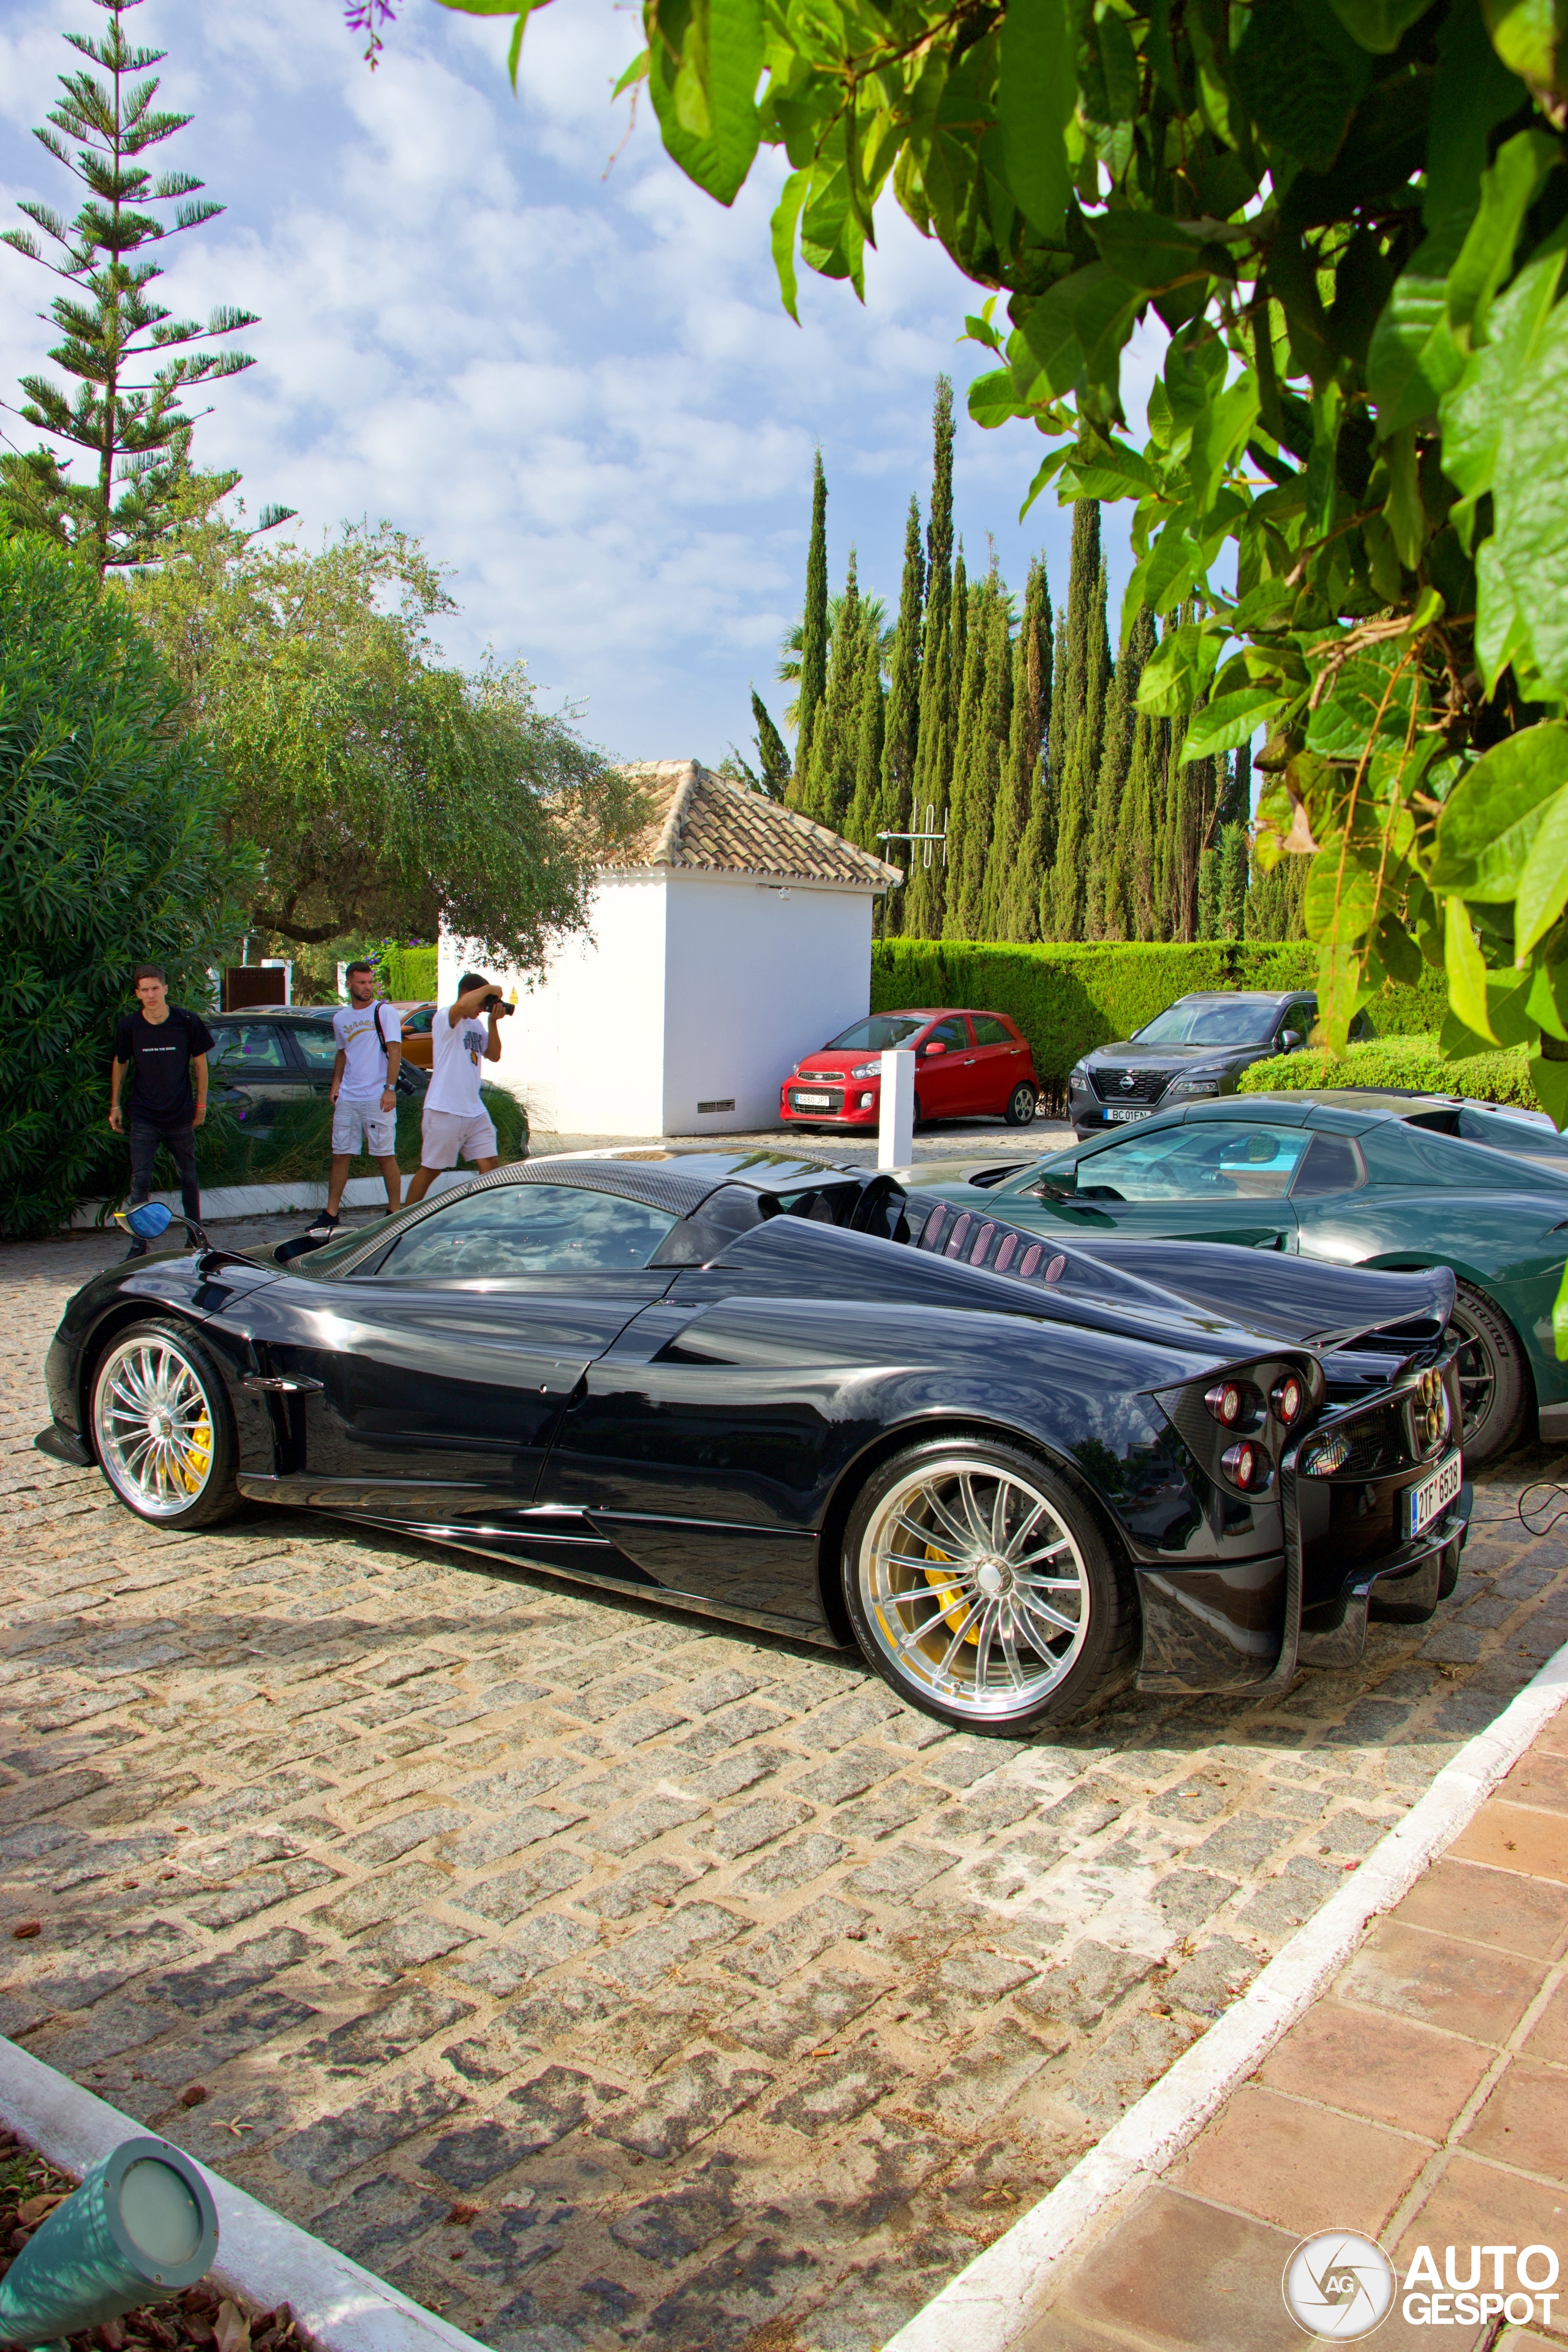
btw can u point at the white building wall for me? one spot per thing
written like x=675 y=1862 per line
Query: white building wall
x=754 y=977
x=689 y=988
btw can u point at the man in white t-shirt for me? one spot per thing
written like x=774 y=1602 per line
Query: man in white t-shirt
x=463 y=1038
x=365 y=1091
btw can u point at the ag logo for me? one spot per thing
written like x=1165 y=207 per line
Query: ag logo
x=1128 y=1082
x=1339 y=2286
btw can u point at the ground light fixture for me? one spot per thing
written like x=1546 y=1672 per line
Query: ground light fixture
x=140 y=2228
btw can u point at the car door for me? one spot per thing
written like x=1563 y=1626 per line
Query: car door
x=940 y=1075
x=255 y=1055
x=317 y=1047
x=435 y=1368
x=1001 y=1060
x=1204 y=1179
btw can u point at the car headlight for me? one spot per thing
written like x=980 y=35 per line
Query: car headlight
x=866 y=1070
x=1077 y=1076
x=1193 y=1085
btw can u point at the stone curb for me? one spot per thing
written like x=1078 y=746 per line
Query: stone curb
x=261 y=2257
x=991 y=2304
x=229 y=1200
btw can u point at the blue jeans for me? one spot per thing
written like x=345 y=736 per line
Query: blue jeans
x=180 y=1142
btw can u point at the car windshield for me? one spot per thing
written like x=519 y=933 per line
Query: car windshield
x=317 y=1043
x=1202 y=1021
x=877 y=1036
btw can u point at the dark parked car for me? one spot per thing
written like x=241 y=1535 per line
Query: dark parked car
x=281 y=1055
x=1014 y=1472
x=1196 y=1048
x=1348 y=1175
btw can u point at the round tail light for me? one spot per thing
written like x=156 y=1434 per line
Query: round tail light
x=1248 y=1467
x=1288 y=1398
x=1224 y=1401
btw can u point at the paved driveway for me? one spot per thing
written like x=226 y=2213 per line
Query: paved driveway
x=601 y=1975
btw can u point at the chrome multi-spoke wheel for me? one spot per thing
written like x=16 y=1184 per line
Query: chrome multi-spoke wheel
x=1494 y=1380
x=160 y=1426
x=977 y=1587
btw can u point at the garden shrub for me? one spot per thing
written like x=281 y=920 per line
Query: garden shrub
x=292 y=1143
x=1068 y=997
x=406 y=974
x=1414 y=1061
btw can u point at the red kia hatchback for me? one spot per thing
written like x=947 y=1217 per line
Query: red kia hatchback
x=967 y=1066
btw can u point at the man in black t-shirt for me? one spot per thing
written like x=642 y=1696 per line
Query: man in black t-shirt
x=167 y=1048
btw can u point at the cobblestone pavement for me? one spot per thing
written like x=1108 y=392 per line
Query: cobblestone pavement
x=599 y=1974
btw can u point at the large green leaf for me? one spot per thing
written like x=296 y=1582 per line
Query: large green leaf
x=1300 y=76
x=1219 y=434
x=1485 y=257
x=1467 y=970
x=1230 y=721
x=1414 y=360
x=1543 y=883
x=1037 y=83
x=1471 y=93
x=1531 y=491
x=1369 y=702
x=1472 y=414
x=1490 y=819
x=1340 y=904
x=1379 y=24
x=1178 y=669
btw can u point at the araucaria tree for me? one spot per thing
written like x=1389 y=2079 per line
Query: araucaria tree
x=131 y=358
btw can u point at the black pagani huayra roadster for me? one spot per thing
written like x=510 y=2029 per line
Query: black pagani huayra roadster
x=808 y=1399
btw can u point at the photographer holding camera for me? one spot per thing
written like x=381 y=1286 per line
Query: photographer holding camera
x=456 y=1123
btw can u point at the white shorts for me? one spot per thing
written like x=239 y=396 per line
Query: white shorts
x=355 y=1121
x=451 y=1135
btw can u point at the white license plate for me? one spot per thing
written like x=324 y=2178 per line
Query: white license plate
x=811 y=1102
x=1428 y=1501
x=1119 y=1113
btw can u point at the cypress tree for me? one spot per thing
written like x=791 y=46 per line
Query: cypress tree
x=1142 y=799
x=870 y=724
x=1274 y=901
x=814 y=626
x=1235 y=843
x=902 y=730
x=1105 y=905
x=829 y=778
x=772 y=751
x=933 y=763
x=1083 y=676
x=1024 y=834
x=984 y=713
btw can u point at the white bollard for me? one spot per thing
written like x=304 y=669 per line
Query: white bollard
x=896 y=1134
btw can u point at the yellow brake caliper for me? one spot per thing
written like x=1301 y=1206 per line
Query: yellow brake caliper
x=954 y=1605
x=199 y=1457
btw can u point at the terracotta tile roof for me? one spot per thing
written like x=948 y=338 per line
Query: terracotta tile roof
x=703 y=820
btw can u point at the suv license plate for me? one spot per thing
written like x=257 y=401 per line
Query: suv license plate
x=811 y=1102
x=1428 y=1501
x=1118 y=1114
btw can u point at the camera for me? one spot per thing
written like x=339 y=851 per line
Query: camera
x=495 y=1002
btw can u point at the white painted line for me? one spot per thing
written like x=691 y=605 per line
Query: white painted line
x=261 y=2258
x=991 y=2303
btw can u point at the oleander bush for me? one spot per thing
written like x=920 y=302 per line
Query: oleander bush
x=1067 y=998
x=112 y=851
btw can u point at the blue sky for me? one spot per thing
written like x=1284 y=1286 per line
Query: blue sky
x=578 y=388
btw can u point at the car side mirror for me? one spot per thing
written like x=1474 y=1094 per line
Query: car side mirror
x=1291 y=1039
x=933 y=1045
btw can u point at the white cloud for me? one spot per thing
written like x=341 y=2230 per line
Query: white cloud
x=579 y=389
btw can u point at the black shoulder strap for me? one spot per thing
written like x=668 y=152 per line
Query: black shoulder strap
x=381 y=1033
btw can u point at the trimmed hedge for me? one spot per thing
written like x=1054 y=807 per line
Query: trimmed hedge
x=1502 y=1077
x=1067 y=997
x=407 y=974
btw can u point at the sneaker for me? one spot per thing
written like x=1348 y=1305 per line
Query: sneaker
x=325 y=1227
